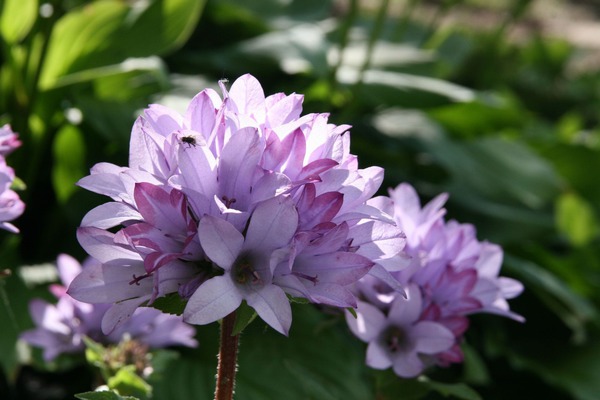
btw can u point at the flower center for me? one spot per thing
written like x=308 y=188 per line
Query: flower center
x=243 y=272
x=396 y=339
x=228 y=202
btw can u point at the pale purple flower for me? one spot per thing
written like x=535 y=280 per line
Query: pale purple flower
x=227 y=165
x=248 y=263
x=399 y=338
x=61 y=327
x=9 y=140
x=455 y=274
x=11 y=206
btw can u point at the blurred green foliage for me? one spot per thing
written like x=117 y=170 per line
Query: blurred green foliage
x=505 y=126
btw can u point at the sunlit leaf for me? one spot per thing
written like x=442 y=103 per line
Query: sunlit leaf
x=575 y=218
x=486 y=115
x=107 y=32
x=16 y=19
x=105 y=395
x=69 y=161
x=127 y=382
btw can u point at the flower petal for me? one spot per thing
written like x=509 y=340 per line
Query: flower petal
x=120 y=313
x=369 y=322
x=408 y=365
x=432 y=337
x=220 y=241
x=272 y=225
x=109 y=215
x=377 y=356
x=214 y=299
x=273 y=306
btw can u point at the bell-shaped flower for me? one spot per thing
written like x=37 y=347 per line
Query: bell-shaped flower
x=213 y=169
x=399 y=338
x=455 y=274
x=60 y=327
x=11 y=206
x=248 y=264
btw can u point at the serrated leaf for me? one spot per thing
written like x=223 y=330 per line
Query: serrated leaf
x=104 y=395
x=172 y=303
x=244 y=315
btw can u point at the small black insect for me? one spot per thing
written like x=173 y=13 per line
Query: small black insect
x=189 y=140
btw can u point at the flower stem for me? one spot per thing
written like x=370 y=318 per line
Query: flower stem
x=227 y=366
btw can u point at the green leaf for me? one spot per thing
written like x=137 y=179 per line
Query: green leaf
x=161 y=26
x=80 y=36
x=319 y=360
x=390 y=387
x=574 y=163
x=475 y=371
x=500 y=180
x=390 y=88
x=172 y=303
x=16 y=19
x=69 y=161
x=352 y=311
x=501 y=169
x=18 y=184
x=244 y=315
x=486 y=115
x=452 y=390
x=94 y=353
x=104 y=395
x=107 y=32
x=161 y=360
x=127 y=382
x=576 y=370
x=14 y=300
x=574 y=310
x=121 y=81
x=576 y=219
x=298 y=300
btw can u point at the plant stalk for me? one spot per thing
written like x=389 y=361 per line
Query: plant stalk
x=227 y=366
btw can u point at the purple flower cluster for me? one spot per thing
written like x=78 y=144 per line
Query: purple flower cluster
x=60 y=327
x=239 y=199
x=11 y=206
x=451 y=275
